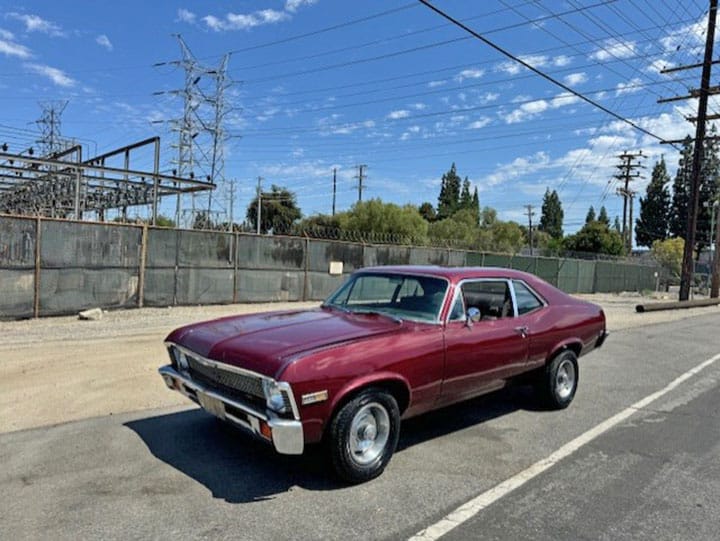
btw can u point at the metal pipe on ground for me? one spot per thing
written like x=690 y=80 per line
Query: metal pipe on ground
x=675 y=305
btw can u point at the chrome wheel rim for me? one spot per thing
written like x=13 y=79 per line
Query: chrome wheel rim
x=565 y=379
x=369 y=433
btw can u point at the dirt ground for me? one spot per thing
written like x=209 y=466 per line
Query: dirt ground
x=61 y=369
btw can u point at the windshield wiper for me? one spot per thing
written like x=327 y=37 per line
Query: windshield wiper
x=379 y=313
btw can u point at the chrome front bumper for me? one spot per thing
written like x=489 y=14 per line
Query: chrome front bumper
x=286 y=435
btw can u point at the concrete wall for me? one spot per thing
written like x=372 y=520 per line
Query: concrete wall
x=51 y=267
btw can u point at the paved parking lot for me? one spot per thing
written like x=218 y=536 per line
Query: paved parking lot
x=177 y=473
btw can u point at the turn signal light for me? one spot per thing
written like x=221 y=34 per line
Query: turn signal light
x=265 y=430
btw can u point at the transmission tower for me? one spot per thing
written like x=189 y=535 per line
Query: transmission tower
x=51 y=141
x=201 y=136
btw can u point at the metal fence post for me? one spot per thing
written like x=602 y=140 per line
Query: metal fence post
x=143 y=263
x=236 y=258
x=36 y=297
x=305 y=277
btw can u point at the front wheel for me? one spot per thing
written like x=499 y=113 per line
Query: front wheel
x=558 y=382
x=363 y=435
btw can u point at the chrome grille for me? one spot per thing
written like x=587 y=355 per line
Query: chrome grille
x=225 y=379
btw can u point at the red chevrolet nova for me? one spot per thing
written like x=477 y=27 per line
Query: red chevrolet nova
x=391 y=343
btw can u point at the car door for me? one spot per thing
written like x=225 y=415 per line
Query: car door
x=531 y=312
x=480 y=355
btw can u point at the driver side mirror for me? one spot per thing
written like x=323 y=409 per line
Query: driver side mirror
x=473 y=315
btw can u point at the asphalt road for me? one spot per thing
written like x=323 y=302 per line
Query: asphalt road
x=179 y=474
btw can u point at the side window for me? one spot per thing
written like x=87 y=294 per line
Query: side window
x=526 y=299
x=491 y=297
x=458 y=309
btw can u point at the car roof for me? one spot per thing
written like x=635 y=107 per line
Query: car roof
x=452 y=274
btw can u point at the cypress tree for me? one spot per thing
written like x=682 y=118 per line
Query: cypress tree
x=652 y=224
x=603 y=216
x=551 y=217
x=590 y=215
x=449 y=198
x=680 y=195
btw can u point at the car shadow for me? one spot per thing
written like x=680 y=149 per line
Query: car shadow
x=240 y=469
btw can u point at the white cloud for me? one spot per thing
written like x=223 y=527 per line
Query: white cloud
x=400 y=113
x=478 y=124
x=435 y=84
x=512 y=67
x=574 y=79
x=660 y=64
x=57 y=76
x=35 y=23
x=293 y=5
x=563 y=99
x=526 y=111
x=517 y=168
x=489 y=97
x=472 y=73
x=9 y=48
x=186 y=16
x=7 y=35
x=244 y=21
x=630 y=87
x=104 y=41
x=614 y=48
x=414 y=129
x=689 y=38
x=561 y=61
x=419 y=106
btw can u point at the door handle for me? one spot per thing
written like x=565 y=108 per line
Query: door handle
x=522 y=331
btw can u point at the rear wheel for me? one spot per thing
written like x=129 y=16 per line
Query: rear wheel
x=557 y=383
x=363 y=435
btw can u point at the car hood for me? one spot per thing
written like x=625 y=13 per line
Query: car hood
x=264 y=343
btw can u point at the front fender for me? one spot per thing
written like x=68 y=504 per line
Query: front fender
x=376 y=378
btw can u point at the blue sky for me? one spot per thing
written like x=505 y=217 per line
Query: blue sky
x=327 y=83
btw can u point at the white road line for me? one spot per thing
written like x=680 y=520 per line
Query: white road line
x=470 y=509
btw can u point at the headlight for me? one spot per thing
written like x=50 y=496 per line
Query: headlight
x=179 y=358
x=274 y=397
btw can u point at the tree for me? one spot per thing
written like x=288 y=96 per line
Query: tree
x=595 y=237
x=202 y=221
x=590 y=215
x=465 y=197
x=603 y=216
x=488 y=216
x=551 y=217
x=680 y=195
x=278 y=213
x=507 y=237
x=374 y=216
x=669 y=253
x=427 y=211
x=616 y=225
x=708 y=192
x=449 y=198
x=652 y=224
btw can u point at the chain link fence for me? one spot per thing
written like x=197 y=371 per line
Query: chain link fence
x=54 y=267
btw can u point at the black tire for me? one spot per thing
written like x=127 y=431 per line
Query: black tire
x=363 y=435
x=557 y=383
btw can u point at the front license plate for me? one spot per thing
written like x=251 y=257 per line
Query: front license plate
x=212 y=405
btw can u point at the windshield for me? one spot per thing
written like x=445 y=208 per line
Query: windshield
x=411 y=297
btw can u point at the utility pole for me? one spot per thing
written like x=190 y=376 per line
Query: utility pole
x=530 y=214
x=259 y=203
x=232 y=205
x=360 y=176
x=705 y=90
x=334 y=189
x=629 y=163
x=715 y=280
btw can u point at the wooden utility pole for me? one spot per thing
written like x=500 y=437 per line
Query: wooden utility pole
x=259 y=203
x=360 y=176
x=334 y=189
x=530 y=214
x=702 y=94
x=629 y=163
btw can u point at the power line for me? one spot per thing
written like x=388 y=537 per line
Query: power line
x=539 y=72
